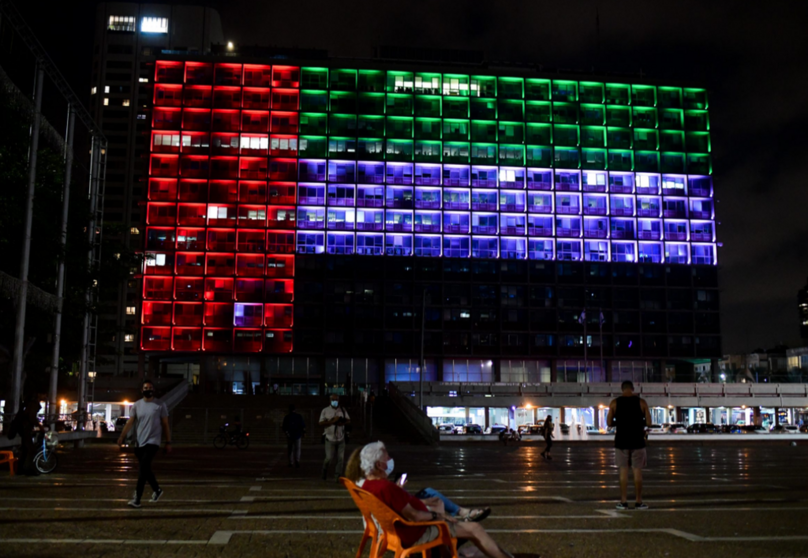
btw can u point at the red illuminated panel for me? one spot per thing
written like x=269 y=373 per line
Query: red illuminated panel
x=195 y=143
x=249 y=290
x=280 y=266
x=157 y=263
x=164 y=165
x=250 y=241
x=193 y=190
x=218 y=340
x=158 y=288
x=223 y=191
x=195 y=119
x=163 y=189
x=189 y=239
x=220 y=265
x=282 y=122
x=281 y=217
x=285 y=76
x=168 y=71
x=285 y=99
x=189 y=288
x=280 y=290
x=192 y=214
x=247 y=340
x=257 y=75
x=278 y=341
x=227 y=74
x=194 y=166
x=155 y=338
x=221 y=240
x=218 y=289
x=188 y=313
x=255 y=98
x=167 y=95
x=282 y=193
x=250 y=265
x=190 y=263
x=186 y=339
x=278 y=315
x=200 y=96
x=156 y=313
x=198 y=73
x=218 y=314
x=164 y=118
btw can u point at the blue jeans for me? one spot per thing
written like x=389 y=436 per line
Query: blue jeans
x=450 y=507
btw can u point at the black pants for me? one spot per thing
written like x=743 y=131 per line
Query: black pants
x=145 y=456
x=549 y=442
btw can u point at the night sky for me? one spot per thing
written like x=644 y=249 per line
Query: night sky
x=753 y=58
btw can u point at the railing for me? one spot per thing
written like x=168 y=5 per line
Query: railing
x=416 y=417
x=175 y=396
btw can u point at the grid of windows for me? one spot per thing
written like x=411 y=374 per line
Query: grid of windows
x=253 y=160
x=122 y=23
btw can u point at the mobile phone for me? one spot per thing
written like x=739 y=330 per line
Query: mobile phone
x=402 y=479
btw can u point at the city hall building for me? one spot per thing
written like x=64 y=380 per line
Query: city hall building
x=317 y=223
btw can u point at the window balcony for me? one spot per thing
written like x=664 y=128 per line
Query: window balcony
x=573 y=233
x=427 y=204
x=595 y=188
x=540 y=231
x=456 y=229
x=538 y=185
x=399 y=227
x=648 y=235
x=369 y=226
x=568 y=210
x=427 y=180
x=312 y=200
x=370 y=202
x=595 y=211
x=701 y=237
x=617 y=189
x=340 y=226
x=484 y=183
x=622 y=234
x=675 y=213
x=484 y=253
x=673 y=235
x=520 y=231
x=456 y=205
x=701 y=214
x=533 y=208
x=484 y=229
x=519 y=207
x=649 y=212
x=311 y=224
x=647 y=190
x=595 y=233
x=567 y=187
x=484 y=206
x=427 y=228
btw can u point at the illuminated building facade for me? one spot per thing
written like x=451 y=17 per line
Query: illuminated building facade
x=306 y=209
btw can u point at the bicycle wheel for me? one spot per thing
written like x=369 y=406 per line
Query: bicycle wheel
x=220 y=441
x=243 y=442
x=45 y=464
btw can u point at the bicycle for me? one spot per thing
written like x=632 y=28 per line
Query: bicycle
x=46 y=460
x=224 y=438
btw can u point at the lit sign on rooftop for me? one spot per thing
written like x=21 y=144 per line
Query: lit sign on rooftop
x=154 y=25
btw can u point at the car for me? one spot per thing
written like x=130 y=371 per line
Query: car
x=701 y=428
x=460 y=429
x=755 y=429
x=565 y=428
x=592 y=430
x=804 y=428
x=677 y=428
x=495 y=429
x=446 y=429
x=530 y=429
x=784 y=429
x=656 y=429
x=120 y=422
x=732 y=429
x=474 y=429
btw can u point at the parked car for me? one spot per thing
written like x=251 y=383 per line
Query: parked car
x=530 y=429
x=755 y=429
x=592 y=430
x=656 y=429
x=732 y=429
x=784 y=429
x=677 y=428
x=701 y=428
x=474 y=429
x=446 y=429
x=495 y=429
x=120 y=422
x=565 y=428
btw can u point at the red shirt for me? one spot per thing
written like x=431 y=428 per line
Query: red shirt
x=397 y=499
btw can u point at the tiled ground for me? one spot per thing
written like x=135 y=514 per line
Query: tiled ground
x=727 y=500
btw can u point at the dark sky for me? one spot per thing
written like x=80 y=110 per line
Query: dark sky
x=753 y=57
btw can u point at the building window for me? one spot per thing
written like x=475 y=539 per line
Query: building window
x=106 y=101
x=134 y=230
x=130 y=310
x=106 y=89
x=154 y=25
x=143 y=80
x=121 y=23
x=125 y=102
x=93 y=90
x=128 y=338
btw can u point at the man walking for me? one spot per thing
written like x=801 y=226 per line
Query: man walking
x=150 y=415
x=630 y=416
x=334 y=419
x=294 y=428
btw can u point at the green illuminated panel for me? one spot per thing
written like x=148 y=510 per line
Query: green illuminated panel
x=618 y=94
x=698 y=142
x=593 y=136
x=593 y=114
x=456 y=84
x=399 y=127
x=342 y=102
x=539 y=111
x=428 y=83
x=537 y=89
x=672 y=162
x=671 y=140
x=592 y=158
x=428 y=151
x=371 y=125
x=455 y=129
x=699 y=164
x=371 y=80
x=620 y=160
x=341 y=147
x=484 y=109
x=313 y=78
x=643 y=95
x=540 y=134
x=510 y=154
x=643 y=117
x=399 y=150
x=484 y=153
x=483 y=86
x=566 y=91
x=697 y=121
x=313 y=123
x=342 y=80
x=511 y=88
x=645 y=139
x=511 y=132
x=455 y=107
x=314 y=101
x=371 y=103
x=539 y=155
x=670 y=97
x=342 y=124
x=618 y=138
x=428 y=128
x=399 y=82
x=312 y=146
x=511 y=109
x=565 y=113
x=646 y=161
x=455 y=152
x=695 y=99
x=428 y=105
x=566 y=158
x=371 y=149
x=399 y=104
x=592 y=92
x=565 y=134
x=671 y=119
x=484 y=130
x=618 y=116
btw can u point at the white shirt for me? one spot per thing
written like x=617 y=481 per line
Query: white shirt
x=148 y=416
x=334 y=433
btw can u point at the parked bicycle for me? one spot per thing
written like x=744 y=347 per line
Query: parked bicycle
x=225 y=438
x=46 y=460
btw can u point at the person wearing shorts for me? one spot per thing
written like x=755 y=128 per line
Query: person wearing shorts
x=630 y=416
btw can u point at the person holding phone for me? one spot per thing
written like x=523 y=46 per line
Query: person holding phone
x=334 y=419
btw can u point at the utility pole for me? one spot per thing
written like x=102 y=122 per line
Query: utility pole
x=60 y=275
x=421 y=363
x=25 y=257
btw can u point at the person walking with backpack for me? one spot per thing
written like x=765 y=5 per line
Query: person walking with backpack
x=334 y=419
x=547 y=431
x=150 y=416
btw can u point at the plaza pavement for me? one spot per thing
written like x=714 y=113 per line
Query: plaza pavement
x=730 y=500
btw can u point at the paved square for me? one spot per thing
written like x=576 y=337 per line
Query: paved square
x=714 y=500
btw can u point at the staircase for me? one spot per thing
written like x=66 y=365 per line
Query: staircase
x=397 y=420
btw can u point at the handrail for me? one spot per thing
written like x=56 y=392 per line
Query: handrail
x=175 y=396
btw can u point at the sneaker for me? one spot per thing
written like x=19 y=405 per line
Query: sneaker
x=544 y=455
x=640 y=506
x=157 y=495
x=622 y=506
x=133 y=503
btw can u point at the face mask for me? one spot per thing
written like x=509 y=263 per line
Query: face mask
x=390 y=465
x=335 y=404
x=148 y=393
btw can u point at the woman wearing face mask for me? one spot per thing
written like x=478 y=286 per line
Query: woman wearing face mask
x=377 y=467
x=151 y=417
x=434 y=500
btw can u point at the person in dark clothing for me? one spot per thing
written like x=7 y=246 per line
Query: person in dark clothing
x=27 y=423
x=630 y=416
x=547 y=432
x=294 y=428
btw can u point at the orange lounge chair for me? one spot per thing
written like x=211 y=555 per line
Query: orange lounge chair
x=384 y=537
x=8 y=457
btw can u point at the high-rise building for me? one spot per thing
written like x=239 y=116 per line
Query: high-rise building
x=128 y=38
x=322 y=223
x=802 y=307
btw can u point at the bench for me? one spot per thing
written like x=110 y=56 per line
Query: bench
x=8 y=457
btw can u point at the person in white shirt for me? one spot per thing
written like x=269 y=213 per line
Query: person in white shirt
x=151 y=417
x=334 y=419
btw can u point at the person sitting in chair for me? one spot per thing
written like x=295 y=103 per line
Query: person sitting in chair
x=377 y=466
